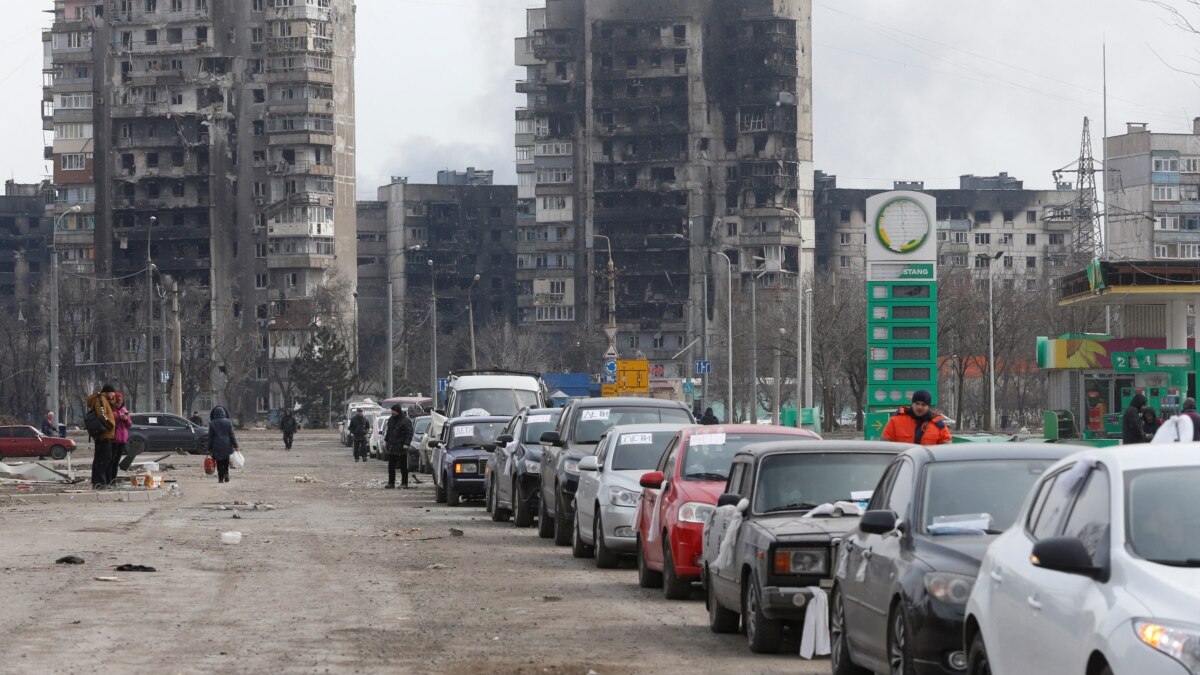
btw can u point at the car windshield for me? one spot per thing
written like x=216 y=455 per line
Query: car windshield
x=640 y=451
x=709 y=456
x=805 y=480
x=1162 y=515
x=481 y=402
x=976 y=497
x=475 y=435
x=540 y=422
x=593 y=422
x=421 y=425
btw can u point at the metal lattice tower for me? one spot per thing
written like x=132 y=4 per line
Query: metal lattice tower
x=1084 y=212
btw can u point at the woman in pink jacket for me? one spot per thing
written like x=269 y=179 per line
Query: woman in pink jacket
x=120 y=435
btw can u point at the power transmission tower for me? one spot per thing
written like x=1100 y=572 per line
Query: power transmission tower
x=1084 y=213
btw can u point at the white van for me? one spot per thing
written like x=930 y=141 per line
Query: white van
x=479 y=393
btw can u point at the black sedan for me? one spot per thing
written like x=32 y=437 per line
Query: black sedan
x=904 y=575
x=514 y=468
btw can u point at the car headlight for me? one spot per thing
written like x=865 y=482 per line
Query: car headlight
x=622 y=497
x=954 y=589
x=532 y=467
x=805 y=561
x=695 y=512
x=571 y=465
x=1178 y=641
x=466 y=467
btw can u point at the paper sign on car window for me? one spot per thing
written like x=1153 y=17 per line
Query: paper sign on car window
x=708 y=439
x=466 y=430
x=594 y=415
x=153 y=420
x=537 y=419
x=637 y=439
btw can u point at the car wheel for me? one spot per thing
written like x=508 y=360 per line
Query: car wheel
x=440 y=493
x=521 y=515
x=762 y=633
x=674 y=588
x=452 y=498
x=499 y=515
x=647 y=578
x=562 y=527
x=839 y=645
x=899 y=653
x=578 y=548
x=977 y=658
x=545 y=522
x=58 y=452
x=605 y=558
x=720 y=620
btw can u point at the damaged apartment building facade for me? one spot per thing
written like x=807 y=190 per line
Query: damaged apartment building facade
x=672 y=130
x=219 y=134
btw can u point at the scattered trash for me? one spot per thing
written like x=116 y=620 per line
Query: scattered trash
x=222 y=507
x=33 y=472
x=455 y=532
x=231 y=538
x=236 y=517
x=69 y=560
x=109 y=579
x=437 y=566
x=305 y=479
x=551 y=598
x=134 y=568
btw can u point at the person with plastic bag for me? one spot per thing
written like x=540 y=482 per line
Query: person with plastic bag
x=222 y=442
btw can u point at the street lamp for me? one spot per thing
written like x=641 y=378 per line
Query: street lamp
x=729 y=345
x=433 y=369
x=391 y=344
x=800 y=368
x=54 y=312
x=991 y=348
x=149 y=318
x=754 y=339
x=471 y=320
x=612 y=296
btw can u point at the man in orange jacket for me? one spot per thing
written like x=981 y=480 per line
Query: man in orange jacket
x=917 y=423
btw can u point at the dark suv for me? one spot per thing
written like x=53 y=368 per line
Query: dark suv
x=164 y=432
x=579 y=430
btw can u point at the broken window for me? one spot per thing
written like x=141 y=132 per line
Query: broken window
x=177 y=189
x=152 y=160
x=201 y=32
x=680 y=34
x=174 y=37
x=152 y=39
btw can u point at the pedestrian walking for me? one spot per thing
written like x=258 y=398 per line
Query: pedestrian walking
x=709 y=417
x=917 y=423
x=222 y=443
x=359 y=428
x=288 y=426
x=49 y=428
x=396 y=441
x=1189 y=410
x=120 y=435
x=1150 y=422
x=196 y=419
x=1131 y=421
x=101 y=427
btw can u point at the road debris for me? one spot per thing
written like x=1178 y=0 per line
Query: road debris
x=306 y=479
x=437 y=566
x=551 y=598
x=231 y=538
x=134 y=568
x=69 y=560
x=455 y=532
x=116 y=580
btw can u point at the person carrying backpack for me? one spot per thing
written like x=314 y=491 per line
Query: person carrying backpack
x=101 y=427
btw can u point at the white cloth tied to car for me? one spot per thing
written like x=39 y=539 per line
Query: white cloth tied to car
x=729 y=538
x=815 y=638
x=1178 y=429
x=835 y=510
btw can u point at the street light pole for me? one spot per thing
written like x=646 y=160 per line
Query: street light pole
x=54 y=315
x=801 y=369
x=729 y=337
x=991 y=348
x=433 y=369
x=149 y=319
x=753 y=350
x=391 y=311
x=612 y=288
x=471 y=319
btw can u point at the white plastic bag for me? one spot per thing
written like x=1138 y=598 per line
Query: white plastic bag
x=237 y=460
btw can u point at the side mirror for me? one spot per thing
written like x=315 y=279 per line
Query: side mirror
x=435 y=444
x=652 y=480
x=504 y=440
x=728 y=499
x=589 y=463
x=878 y=522
x=490 y=447
x=1065 y=554
x=550 y=438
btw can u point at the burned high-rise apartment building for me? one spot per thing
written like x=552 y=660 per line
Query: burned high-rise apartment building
x=218 y=134
x=673 y=130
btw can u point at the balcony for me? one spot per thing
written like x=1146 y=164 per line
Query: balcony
x=310 y=137
x=530 y=87
x=660 y=128
x=638 y=43
x=769 y=183
x=282 y=168
x=641 y=185
x=278 y=261
x=640 y=215
x=623 y=103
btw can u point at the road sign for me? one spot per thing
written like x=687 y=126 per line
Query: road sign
x=703 y=367
x=633 y=376
x=875 y=423
x=608 y=379
x=611 y=353
x=689 y=389
x=609 y=391
x=442 y=384
x=610 y=367
x=166 y=376
x=611 y=332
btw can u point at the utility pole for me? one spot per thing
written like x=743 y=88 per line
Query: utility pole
x=753 y=350
x=54 y=384
x=471 y=319
x=149 y=319
x=390 y=342
x=176 y=353
x=433 y=368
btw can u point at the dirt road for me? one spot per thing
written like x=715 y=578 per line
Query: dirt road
x=338 y=576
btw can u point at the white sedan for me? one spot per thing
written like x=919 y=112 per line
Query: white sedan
x=378 y=429
x=1100 y=574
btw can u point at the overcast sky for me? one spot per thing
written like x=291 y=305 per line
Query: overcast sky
x=904 y=89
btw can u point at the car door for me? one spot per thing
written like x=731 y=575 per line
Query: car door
x=589 y=486
x=25 y=442
x=725 y=580
x=550 y=455
x=656 y=504
x=178 y=433
x=853 y=558
x=883 y=560
x=6 y=443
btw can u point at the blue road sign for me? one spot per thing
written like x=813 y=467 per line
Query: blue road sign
x=610 y=367
x=608 y=379
x=442 y=383
x=703 y=367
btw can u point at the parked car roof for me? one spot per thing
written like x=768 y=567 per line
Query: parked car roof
x=1147 y=455
x=644 y=428
x=958 y=452
x=770 y=447
x=625 y=401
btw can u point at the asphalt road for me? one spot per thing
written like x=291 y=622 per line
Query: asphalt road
x=339 y=575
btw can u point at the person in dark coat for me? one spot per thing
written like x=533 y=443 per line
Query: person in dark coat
x=1150 y=422
x=221 y=441
x=1131 y=421
x=49 y=428
x=396 y=439
x=196 y=419
x=709 y=417
x=288 y=426
x=101 y=404
x=1189 y=409
x=359 y=428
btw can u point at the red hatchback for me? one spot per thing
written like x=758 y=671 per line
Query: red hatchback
x=678 y=498
x=25 y=441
